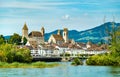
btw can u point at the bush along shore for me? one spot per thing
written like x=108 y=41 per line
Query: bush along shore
x=106 y=60
x=13 y=57
x=12 y=53
x=111 y=58
x=76 y=61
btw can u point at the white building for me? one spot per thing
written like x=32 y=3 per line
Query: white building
x=58 y=38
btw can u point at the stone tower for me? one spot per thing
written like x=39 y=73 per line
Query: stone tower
x=65 y=35
x=58 y=32
x=24 y=32
x=42 y=31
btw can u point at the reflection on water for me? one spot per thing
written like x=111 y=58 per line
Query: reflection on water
x=115 y=71
x=66 y=70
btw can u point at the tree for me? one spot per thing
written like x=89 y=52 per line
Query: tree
x=2 y=56
x=15 y=39
x=2 y=39
x=11 y=53
x=115 y=39
x=24 y=40
x=77 y=61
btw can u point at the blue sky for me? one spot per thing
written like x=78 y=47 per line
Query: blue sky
x=55 y=14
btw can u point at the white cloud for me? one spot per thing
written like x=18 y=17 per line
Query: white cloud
x=66 y=17
x=34 y=5
x=22 y=5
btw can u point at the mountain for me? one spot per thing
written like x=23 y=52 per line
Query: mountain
x=95 y=34
x=7 y=37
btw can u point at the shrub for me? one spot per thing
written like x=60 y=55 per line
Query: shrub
x=11 y=53
x=77 y=61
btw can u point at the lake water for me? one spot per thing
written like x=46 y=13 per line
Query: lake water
x=66 y=70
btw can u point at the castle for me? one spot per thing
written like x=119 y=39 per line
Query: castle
x=34 y=37
x=37 y=37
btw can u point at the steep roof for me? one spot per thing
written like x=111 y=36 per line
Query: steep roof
x=42 y=28
x=25 y=27
x=65 y=29
x=58 y=37
x=35 y=34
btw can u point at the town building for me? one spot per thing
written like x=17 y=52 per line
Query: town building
x=58 y=38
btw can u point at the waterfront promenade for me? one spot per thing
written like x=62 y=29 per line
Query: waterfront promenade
x=58 y=55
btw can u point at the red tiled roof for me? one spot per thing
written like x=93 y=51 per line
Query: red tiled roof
x=75 y=46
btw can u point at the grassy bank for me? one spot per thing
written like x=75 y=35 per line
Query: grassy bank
x=28 y=65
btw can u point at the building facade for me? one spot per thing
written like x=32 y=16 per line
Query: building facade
x=58 y=38
x=36 y=36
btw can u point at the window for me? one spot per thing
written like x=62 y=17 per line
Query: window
x=64 y=34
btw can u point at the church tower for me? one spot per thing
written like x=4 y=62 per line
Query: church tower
x=58 y=32
x=65 y=35
x=24 y=32
x=42 y=31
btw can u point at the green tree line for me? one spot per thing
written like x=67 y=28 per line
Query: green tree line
x=14 y=39
x=12 y=53
x=10 y=50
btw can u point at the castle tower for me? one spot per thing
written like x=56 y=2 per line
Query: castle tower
x=42 y=31
x=58 y=32
x=65 y=35
x=24 y=32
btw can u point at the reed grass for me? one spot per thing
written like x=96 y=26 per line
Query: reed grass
x=28 y=65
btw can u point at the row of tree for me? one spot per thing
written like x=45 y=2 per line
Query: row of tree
x=14 y=39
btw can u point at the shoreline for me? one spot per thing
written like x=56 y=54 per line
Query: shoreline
x=28 y=65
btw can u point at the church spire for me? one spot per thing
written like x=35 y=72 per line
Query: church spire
x=42 y=31
x=25 y=27
x=65 y=35
x=24 y=32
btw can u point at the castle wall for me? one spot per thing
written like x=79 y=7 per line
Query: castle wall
x=39 y=40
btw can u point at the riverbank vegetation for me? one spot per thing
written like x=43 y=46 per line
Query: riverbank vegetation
x=12 y=53
x=112 y=57
x=27 y=65
x=76 y=61
x=12 y=56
